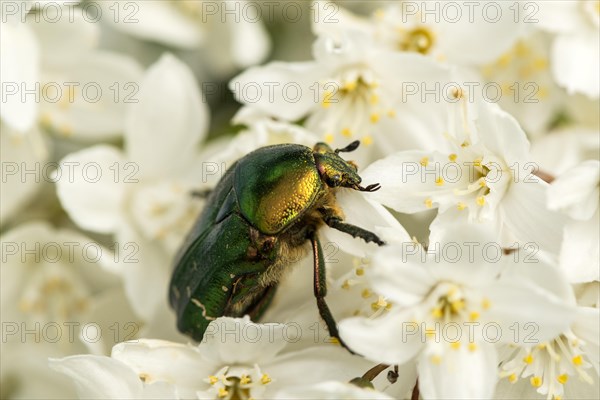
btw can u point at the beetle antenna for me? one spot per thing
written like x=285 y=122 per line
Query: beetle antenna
x=351 y=147
x=371 y=188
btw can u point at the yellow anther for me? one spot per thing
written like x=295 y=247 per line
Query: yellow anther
x=327 y=97
x=528 y=359
x=486 y=304
x=455 y=345
x=349 y=86
x=437 y=313
x=374 y=118
x=562 y=379
x=424 y=161
x=367 y=140
x=452 y=157
x=472 y=347
x=437 y=360
x=366 y=293
x=388 y=306
x=465 y=144
x=213 y=379
x=535 y=381
x=461 y=206
x=329 y=138
x=505 y=59
x=245 y=379
x=391 y=113
x=374 y=99
x=360 y=271
x=222 y=393
x=577 y=360
x=480 y=201
x=346 y=284
x=346 y=132
x=474 y=316
x=380 y=303
x=540 y=64
x=334 y=340
x=429 y=332
x=477 y=162
x=482 y=182
x=439 y=181
x=457 y=305
x=265 y=379
x=512 y=378
x=428 y=203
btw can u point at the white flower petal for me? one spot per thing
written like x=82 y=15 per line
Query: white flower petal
x=20 y=70
x=159 y=360
x=169 y=121
x=250 y=41
x=580 y=251
x=105 y=84
x=525 y=213
x=459 y=374
x=331 y=390
x=576 y=191
x=266 y=88
x=99 y=377
x=378 y=340
x=159 y=21
x=576 y=62
x=240 y=341
x=89 y=190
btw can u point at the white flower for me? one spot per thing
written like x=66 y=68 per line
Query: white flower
x=20 y=152
x=67 y=84
x=565 y=366
x=528 y=89
x=576 y=48
x=58 y=299
x=480 y=173
x=577 y=193
x=231 y=31
x=236 y=359
x=351 y=91
x=442 y=32
x=442 y=304
x=144 y=196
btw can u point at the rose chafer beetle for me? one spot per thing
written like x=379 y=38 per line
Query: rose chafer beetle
x=256 y=222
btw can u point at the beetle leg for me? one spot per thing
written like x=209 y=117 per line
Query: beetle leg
x=320 y=289
x=336 y=223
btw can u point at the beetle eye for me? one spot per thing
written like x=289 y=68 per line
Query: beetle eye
x=336 y=180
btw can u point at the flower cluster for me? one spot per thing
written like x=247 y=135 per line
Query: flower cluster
x=480 y=121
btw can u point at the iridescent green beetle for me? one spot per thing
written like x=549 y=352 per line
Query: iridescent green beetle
x=256 y=222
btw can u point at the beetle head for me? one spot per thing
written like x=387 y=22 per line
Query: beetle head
x=335 y=171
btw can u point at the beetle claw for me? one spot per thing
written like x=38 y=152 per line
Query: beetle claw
x=371 y=188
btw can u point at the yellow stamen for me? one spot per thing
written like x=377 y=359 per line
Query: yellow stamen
x=577 y=360
x=439 y=181
x=213 y=379
x=455 y=345
x=367 y=140
x=428 y=203
x=245 y=379
x=437 y=313
x=346 y=284
x=346 y=132
x=472 y=347
x=486 y=304
x=349 y=86
x=265 y=379
x=374 y=118
x=329 y=138
x=222 y=393
x=474 y=316
x=512 y=378
x=535 y=381
x=562 y=379
x=374 y=99
x=437 y=360
x=366 y=293
x=528 y=359
x=391 y=113
x=424 y=161
x=480 y=201
x=461 y=206
x=360 y=271
x=452 y=157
